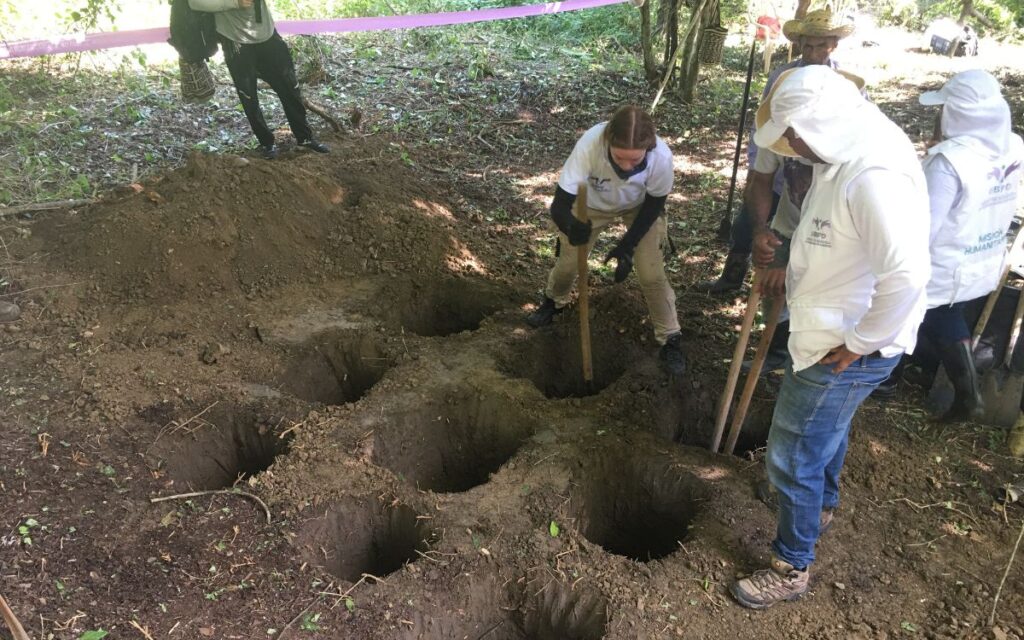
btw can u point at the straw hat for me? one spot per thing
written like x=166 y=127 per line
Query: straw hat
x=781 y=146
x=821 y=23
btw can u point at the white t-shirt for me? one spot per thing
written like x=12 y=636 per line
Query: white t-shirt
x=606 y=191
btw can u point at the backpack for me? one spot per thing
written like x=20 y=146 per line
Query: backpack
x=193 y=33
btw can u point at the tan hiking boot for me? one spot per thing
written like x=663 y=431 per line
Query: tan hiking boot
x=764 y=588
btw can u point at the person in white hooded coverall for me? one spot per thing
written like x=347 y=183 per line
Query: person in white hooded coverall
x=855 y=286
x=973 y=176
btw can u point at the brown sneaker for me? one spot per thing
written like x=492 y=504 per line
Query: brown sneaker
x=764 y=588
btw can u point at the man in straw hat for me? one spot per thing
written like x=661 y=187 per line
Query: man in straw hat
x=818 y=34
x=855 y=287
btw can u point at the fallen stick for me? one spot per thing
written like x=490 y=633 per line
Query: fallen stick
x=999 y=591
x=141 y=629
x=230 y=492
x=44 y=206
x=320 y=111
x=17 y=631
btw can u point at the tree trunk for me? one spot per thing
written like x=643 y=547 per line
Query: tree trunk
x=801 y=9
x=647 y=44
x=671 y=33
x=967 y=10
x=689 y=70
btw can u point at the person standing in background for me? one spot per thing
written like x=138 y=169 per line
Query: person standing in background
x=253 y=49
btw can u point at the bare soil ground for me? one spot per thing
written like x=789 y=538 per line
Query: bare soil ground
x=331 y=349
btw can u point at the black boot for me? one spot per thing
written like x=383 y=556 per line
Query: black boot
x=733 y=274
x=544 y=314
x=672 y=357
x=967 y=402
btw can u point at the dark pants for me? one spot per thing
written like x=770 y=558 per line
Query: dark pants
x=945 y=325
x=271 y=61
x=743 y=227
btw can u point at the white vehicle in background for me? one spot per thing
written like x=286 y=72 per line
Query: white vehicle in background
x=946 y=37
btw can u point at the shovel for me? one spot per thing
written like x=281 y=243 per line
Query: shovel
x=734 y=369
x=584 y=290
x=940 y=396
x=725 y=226
x=754 y=374
x=1002 y=387
x=17 y=631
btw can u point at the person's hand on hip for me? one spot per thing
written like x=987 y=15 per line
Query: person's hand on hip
x=841 y=357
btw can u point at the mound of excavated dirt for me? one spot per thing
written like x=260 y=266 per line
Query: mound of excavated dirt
x=226 y=224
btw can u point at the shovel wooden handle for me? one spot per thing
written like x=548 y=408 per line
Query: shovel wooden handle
x=990 y=303
x=583 y=252
x=734 y=368
x=17 y=631
x=753 y=375
x=1018 y=318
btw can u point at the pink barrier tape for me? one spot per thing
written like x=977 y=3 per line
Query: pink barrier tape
x=93 y=41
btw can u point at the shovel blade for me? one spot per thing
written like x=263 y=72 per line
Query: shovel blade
x=1001 y=390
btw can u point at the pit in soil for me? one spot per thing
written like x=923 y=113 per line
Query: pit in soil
x=452 y=447
x=637 y=510
x=551 y=358
x=338 y=368
x=356 y=537
x=217 y=448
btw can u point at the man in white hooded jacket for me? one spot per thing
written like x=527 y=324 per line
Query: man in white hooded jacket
x=855 y=287
x=973 y=176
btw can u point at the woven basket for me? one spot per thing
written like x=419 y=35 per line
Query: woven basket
x=197 y=84
x=712 y=45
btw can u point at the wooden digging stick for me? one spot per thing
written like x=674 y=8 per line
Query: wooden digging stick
x=583 y=270
x=753 y=375
x=17 y=631
x=734 y=368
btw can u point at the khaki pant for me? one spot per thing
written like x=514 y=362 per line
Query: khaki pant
x=647 y=260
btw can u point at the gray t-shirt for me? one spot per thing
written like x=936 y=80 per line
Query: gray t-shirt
x=238 y=25
x=797 y=175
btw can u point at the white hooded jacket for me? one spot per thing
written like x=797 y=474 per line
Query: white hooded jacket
x=968 y=245
x=858 y=266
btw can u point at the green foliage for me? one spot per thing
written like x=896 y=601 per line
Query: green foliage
x=310 y=622
x=901 y=13
x=88 y=14
x=918 y=14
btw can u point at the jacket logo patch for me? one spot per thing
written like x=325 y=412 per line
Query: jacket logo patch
x=1002 y=173
x=819 y=237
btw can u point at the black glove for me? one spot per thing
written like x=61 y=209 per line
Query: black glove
x=578 y=232
x=623 y=256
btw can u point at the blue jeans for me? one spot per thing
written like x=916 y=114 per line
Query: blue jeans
x=946 y=325
x=807 y=446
